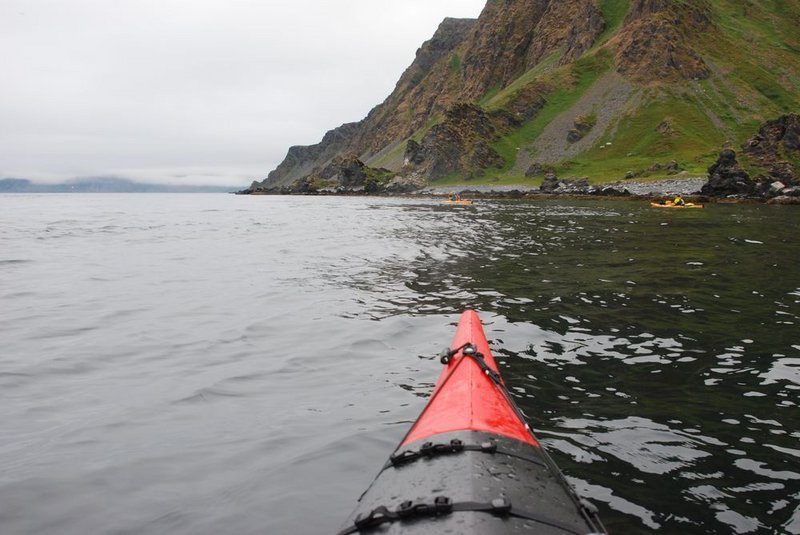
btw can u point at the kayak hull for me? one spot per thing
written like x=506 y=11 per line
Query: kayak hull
x=470 y=463
x=677 y=206
x=462 y=202
x=465 y=398
x=515 y=472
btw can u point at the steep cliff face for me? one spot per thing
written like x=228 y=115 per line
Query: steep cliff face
x=495 y=52
x=461 y=141
x=481 y=93
x=774 y=152
x=655 y=42
x=572 y=25
x=301 y=160
x=408 y=108
x=462 y=61
x=423 y=90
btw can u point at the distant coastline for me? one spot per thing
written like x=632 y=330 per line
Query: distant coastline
x=103 y=185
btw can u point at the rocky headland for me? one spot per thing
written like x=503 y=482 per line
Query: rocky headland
x=579 y=97
x=771 y=169
x=771 y=155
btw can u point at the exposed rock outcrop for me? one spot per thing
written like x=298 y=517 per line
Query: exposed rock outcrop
x=405 y=184
x=537 y=169
x=584 y=23
x=301 y=160
x=654 y=43
x=665 y=128
x=581 y=126
x=726 y=177
x=424 y=90
x=578 y=186
x=549 y=184
x=409 y=107
x=458 y=144
x=345 y=171
x=772 y=154
x=671 y=166
x=775 y=151
x=343 y=174
x=413 y=155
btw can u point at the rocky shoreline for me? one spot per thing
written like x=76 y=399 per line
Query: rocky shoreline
x=693 y=189
x=770 y=173
x=651 y=189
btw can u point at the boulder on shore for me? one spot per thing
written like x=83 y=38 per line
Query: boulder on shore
x=550 y=183
x=726 y=177
x=770 y=150
x=405 y=184
x=771 y=154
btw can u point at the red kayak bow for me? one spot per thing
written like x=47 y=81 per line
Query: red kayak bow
x=470 y=464
x=471 y=400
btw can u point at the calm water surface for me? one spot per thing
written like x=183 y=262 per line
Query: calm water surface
x=217 y=364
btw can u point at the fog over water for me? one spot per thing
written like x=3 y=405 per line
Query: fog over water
x=194 y=93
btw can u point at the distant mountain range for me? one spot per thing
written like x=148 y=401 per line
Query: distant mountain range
x=597 y=88
x=101 y=185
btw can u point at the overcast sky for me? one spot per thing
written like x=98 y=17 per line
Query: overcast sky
x=194 y=91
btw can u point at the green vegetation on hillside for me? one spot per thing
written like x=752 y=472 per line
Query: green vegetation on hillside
x=756 y=67
x=396 y=153
x=752 y=51
x=455 y=64
x=614 y=12
x=668 y=126
x=756 y=50
x=689 y=122
x=571 y=82
x=496 y=97
x=387 y=158
x=668 y=81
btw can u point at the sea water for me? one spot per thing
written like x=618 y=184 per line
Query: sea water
x=245 y=364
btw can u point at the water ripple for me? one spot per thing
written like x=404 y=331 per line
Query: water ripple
x=174 y=357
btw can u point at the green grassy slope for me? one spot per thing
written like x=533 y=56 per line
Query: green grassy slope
x=753 y=51
x=692 y=140
x=569 y=84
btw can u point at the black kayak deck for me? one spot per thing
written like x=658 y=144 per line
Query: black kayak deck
x=471 y=482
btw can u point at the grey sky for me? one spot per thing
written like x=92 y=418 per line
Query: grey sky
x=196 y=91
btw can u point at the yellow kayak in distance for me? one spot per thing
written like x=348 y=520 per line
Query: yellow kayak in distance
x=462 y=202
x=673 y=205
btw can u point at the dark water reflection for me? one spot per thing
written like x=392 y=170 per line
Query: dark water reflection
x=219 y=364
x=657 y=354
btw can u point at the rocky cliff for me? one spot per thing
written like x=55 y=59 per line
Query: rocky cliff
x=772 y=157
x=601 y=88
